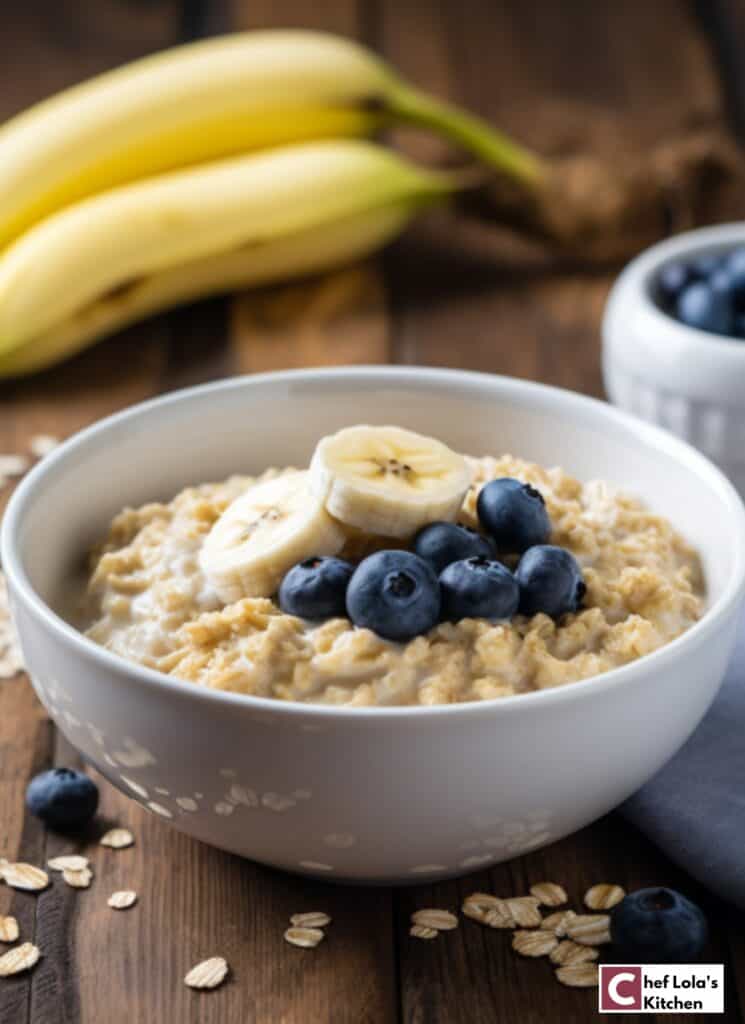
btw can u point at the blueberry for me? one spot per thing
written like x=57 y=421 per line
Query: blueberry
x=735 y=267
x=316 y=588
x=738 y=326
x=478 y=588
x=62 y=798
x=657 y=926
x=707 y=305
x=671 y=280
x=706 y=265
x=514 y=514
x=394 y=593
x=443 y=543
x=550 y=581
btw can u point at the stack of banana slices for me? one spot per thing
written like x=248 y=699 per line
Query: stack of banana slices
x=384 y=482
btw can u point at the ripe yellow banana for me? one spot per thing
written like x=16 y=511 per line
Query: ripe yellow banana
x=207 y=101
x=111 y=259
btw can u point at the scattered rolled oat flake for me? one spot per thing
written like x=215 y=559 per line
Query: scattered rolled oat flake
x=534 y=943
x=419 y=931
x=209 y=974
x=117 y=838
x=18 y=959
x=78 y=879
x=549 y=894
x=306 y=938
x=122 y=900
x=8 y=929
x=442 y=920
x=603 y=897
x=524 y=911
x=500 y=917
x=488 y=910
x=25 y=876
x=43 y=444
x=568 y=952
x=578 y=975
x=68 y=862
x=479 y=906
x=310 y=919
x=558 y=922
x=590 y=929
x=13 y=465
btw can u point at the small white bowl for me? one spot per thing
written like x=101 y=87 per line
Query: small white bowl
x=687 y=380
x=378 y=794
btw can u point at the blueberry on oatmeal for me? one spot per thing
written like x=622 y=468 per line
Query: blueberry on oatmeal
x=513 y=514
x=440 y=544
x=316 y=588
x=478 y=588
x=395 y=594
x=550 y=581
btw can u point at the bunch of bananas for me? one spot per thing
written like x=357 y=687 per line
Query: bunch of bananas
x=216 y=165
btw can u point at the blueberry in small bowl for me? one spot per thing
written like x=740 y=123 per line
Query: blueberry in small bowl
x=316 y=588
x=62 y=798
x=550 y=581
x=478 y=588
x=707 y=304
x=514 y=514
x=705 y=291
x=395 y=594
x=440 y=544
x=657 y=925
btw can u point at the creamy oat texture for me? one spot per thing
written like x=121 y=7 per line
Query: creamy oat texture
x=148 y=601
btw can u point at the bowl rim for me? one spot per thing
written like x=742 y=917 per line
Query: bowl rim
x=638 y=275
x=147 y=678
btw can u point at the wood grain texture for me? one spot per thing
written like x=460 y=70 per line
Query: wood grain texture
x=331 y=319
x=561 y=77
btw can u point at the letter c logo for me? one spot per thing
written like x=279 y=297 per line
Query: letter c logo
x=613 y=985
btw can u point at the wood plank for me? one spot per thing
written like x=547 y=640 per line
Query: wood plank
x=559 y=78
x=44 y=51
x=333 y=318
x=26 y=747
x=473 y=975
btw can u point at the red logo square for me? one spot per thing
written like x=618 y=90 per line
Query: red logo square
x=620 y=988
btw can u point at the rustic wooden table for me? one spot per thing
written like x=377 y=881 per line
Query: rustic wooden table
x=555 y=74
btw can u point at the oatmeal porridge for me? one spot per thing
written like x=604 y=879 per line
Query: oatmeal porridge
x=173 y=587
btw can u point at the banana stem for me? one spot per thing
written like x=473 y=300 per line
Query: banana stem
x=472 y=133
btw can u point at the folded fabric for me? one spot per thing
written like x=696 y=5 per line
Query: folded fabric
x=694 y=808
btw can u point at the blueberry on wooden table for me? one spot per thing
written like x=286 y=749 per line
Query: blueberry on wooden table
x=478 y=588
x=316 y=588
x=62 y=798
x=513 y=514
x=657 y=926
x=550 y=581
x=395 y=594
x=440 y=544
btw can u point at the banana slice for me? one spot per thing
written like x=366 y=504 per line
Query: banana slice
x=263 y=533
x=389 y=481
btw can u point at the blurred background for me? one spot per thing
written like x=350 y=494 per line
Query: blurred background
x=614 y=81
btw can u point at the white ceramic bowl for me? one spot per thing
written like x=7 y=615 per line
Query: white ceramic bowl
x=687 y=380
x=365 y=793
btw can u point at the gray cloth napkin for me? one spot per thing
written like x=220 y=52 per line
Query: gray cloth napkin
x=694 y=808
